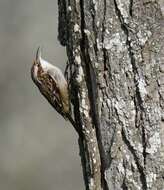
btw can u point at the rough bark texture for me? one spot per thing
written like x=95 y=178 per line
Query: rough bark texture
x=116 y=54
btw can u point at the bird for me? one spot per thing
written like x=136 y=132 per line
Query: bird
x=53 y=86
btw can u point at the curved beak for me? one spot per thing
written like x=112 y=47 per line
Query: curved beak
x=38 y=54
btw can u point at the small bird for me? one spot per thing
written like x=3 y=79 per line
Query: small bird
x=53 y=85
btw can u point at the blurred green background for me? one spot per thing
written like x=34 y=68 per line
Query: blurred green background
x=38 y=149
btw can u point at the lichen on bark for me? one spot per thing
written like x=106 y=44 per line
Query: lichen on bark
x=116 y=52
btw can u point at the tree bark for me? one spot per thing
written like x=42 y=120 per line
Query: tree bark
x=115 y=50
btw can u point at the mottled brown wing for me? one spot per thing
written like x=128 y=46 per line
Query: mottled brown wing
x=54 y=90
x=57 y=96
x=47 y=86
x=50 y=89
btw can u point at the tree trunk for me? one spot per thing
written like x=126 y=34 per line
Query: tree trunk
x=115 y=50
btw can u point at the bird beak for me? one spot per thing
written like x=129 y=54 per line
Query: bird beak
x=38 y=54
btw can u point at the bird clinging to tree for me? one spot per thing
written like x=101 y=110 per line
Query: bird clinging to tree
x=53 y=85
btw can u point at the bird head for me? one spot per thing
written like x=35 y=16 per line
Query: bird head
x=36 y=69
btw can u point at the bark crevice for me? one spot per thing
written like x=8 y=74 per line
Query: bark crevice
x=137 y=160
x=92 y=87
x=138 y=99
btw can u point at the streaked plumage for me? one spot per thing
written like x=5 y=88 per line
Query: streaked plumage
x=51 y=83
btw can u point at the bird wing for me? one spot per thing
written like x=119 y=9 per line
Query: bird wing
x=57 y=96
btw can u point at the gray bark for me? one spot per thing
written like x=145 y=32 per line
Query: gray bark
x=115 y=50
